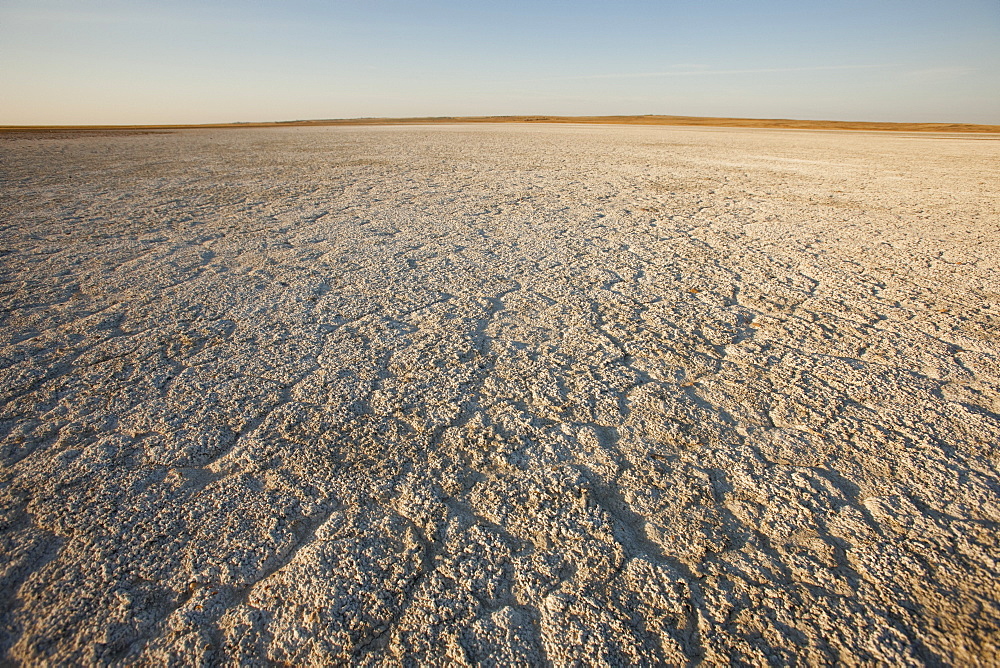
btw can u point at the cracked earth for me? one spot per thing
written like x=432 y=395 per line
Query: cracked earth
x=499 y=395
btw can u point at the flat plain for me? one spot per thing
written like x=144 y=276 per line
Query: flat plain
x=510 y=394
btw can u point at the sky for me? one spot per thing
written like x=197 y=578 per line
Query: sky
x=148 y=62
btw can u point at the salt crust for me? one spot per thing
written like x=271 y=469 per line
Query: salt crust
x=501 y=395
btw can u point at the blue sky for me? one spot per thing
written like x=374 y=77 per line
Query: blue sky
x=92 y=61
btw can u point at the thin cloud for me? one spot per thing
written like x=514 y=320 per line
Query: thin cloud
x=705 y=72
x=50 y=16
x=941 y=72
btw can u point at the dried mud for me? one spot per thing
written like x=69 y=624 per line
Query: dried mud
x=500 y=395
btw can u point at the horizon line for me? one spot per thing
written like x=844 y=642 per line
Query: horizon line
x=630 y=119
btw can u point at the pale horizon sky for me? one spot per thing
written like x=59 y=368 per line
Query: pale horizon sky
x=147 y=62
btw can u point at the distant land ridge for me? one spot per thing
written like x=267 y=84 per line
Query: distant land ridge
x=774 y=123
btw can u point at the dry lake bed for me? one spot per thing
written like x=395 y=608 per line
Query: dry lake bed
x=533 y=395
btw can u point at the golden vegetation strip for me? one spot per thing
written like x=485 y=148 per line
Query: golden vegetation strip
x=772 y=123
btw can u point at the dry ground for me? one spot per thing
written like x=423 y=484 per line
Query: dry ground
x=521 y=394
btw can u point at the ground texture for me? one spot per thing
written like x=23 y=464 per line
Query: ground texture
x=508 y=394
